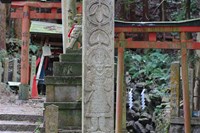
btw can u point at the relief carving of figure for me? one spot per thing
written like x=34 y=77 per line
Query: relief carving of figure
x=98 y=87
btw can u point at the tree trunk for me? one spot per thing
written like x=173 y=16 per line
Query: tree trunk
x=120 y=10
x=145 y=10
x=187 y=15
x=131 y=11
x=163 y=14
x=2 y=26
x=187 y=6
x=145 y=16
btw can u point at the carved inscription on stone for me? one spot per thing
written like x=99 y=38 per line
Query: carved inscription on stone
x=98 y=68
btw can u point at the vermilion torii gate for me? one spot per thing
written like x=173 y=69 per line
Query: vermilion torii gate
x=27 y=10
x=121 y=43
x=152 y=28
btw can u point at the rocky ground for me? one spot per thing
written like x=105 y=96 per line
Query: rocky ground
x=9 y=103
x=144 y=115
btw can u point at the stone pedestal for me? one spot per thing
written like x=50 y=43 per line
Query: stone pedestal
x=63 y=89
x=51 y=117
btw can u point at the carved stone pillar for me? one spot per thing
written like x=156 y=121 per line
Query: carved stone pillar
x=98 y=66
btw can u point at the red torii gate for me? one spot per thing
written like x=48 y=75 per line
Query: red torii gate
x=121 y=43
x=26 y=11
x=152 y=28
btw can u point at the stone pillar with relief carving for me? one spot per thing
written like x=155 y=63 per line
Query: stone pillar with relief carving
x=98 y=66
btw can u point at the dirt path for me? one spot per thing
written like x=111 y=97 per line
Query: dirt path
x=9 y=103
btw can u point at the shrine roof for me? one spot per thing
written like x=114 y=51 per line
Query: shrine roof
x=190 y=22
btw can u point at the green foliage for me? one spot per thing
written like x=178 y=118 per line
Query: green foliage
x=14 y=46
x=160 y=114
x=180 y=13
x=151 y=67
x=34 y=48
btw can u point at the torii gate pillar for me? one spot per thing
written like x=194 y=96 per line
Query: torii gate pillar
x=24 y=87
x=98 y=66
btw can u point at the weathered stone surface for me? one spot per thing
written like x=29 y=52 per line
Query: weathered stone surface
x=51 y=119
x=50 y=93
x=175 y=89
x=67 y=69
x=63 y=93
x=98 y=66
x=33 y=70
x=63 y=80
x=69 y=114
x=196 y=129
x=176 y=129
x=1 y=71
x=191 y=88
x=67 y=93
x=14 y=76
x=149 y=127
x=6 y=65
x=71 y=57
x=144 y=121
x=140 y=127
x=73 y=51
x=132 y=115
x=23 y=92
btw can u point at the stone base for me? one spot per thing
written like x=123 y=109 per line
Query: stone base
x=63 y=93
x=67 y=68
x=69 y=114
x=177 y=125
x=23 y=92
x=63 y=88
x=71 y=57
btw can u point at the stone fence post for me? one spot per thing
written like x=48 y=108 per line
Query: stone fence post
x=175 y=89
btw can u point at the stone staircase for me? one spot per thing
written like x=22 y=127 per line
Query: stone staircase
x=63 y=89
x=14 y=123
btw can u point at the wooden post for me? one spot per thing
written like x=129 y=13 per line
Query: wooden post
x=6 y=67
x=24 y=88
x=14 y=76
x=25 y=46
x=186 y=99
x=175 y=89
x=120 y=82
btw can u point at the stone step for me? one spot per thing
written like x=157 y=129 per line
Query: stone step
x=15 y=132
x=19 y=126
x=67 y=69
x=63 y=80
x=66 y=105
x=71 y=57
x=70 y=131
x=16 y=117
x=76 y=51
